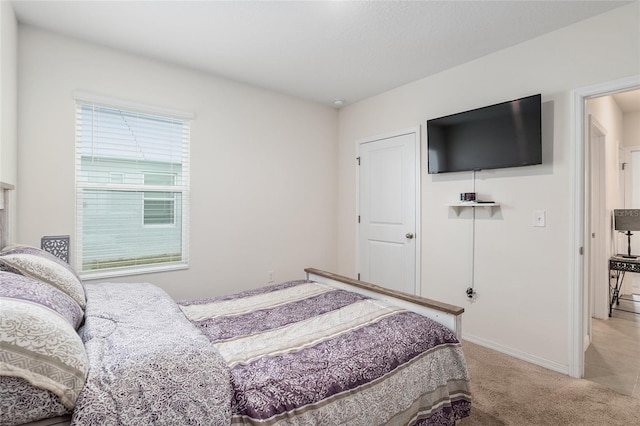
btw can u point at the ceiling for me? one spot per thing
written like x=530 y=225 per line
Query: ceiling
x=315 y=50
x=628 y=101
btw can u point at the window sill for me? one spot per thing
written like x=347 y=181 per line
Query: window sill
x=138 y=270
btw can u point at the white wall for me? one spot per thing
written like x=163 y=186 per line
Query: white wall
x=263 y=165
x=631 y=128
x=608 y=114
x=522 y=273
x=631 y=138
x=8 y=104
x=8 y=96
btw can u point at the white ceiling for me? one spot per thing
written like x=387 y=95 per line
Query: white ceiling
x=628 y=101
x=315 y=50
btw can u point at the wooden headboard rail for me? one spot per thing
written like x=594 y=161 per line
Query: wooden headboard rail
x=448 y=315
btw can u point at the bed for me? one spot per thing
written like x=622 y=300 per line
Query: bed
x=323 y=350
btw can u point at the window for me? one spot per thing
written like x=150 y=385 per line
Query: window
x=132 y=190
x=116 y=177
x=159 y=207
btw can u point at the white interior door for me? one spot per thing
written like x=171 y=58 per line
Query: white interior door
x=388 y=205
x=598 y=275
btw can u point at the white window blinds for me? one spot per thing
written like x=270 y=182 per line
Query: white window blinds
x=132 y=191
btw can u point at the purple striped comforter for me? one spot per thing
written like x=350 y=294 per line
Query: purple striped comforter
x=304 y=353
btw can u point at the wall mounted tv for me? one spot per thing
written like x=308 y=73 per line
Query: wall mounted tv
x=507 y=134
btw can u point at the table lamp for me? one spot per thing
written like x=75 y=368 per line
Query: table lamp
x=627 y=220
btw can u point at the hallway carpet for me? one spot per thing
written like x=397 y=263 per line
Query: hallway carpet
x=509 y=391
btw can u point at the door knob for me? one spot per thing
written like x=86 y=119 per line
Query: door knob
x=409 y=235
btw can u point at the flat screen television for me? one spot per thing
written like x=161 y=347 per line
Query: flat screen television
x=508 y=134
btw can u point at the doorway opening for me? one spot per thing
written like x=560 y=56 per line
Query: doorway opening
x=606 y=119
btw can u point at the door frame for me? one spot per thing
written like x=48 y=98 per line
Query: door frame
x=579 y=265
x=418 y=161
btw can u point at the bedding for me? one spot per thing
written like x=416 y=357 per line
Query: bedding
x=149 y=365
x=41 y=353
x=296 y=353
x=43 y=266
x=307 y=353
x=21 y=402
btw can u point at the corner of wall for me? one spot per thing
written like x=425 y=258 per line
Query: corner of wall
x=8 y=101
x=8 y=93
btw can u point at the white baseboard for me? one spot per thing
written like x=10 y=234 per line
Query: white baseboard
x=551 y=365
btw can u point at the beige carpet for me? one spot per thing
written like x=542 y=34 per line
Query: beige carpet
x=508 y=391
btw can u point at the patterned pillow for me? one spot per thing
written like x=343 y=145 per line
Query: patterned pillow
x=37 y=292
x=38 y=342
x=41 y=265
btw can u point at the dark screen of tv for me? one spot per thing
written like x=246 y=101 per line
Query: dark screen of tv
x=507 y=134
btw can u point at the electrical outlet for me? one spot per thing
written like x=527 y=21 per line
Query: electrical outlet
x=271 y=275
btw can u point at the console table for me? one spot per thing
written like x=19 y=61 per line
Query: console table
x=620 y=266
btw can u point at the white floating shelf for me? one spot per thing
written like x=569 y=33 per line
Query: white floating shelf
x=473 y=204
x=456 y=206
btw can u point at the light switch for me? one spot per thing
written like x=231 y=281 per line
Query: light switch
x=539 y=218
